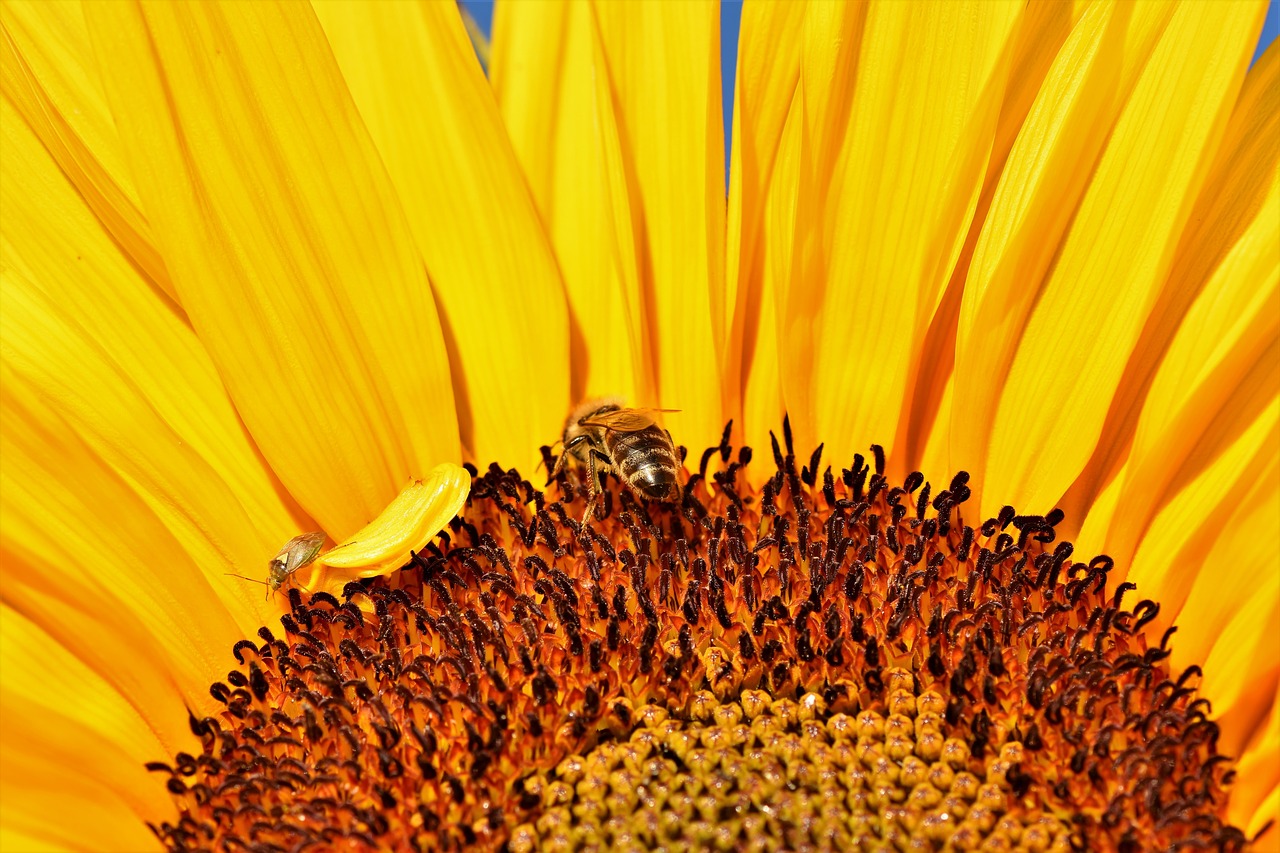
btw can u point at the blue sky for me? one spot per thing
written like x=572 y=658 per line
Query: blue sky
x=731 y=11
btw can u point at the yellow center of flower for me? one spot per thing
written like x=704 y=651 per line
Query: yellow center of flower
x=828 y=662
x=757 y=773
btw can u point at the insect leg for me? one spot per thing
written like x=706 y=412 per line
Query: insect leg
x=593 y=485
x=564 y=455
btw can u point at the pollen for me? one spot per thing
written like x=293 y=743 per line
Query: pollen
x=828 y=661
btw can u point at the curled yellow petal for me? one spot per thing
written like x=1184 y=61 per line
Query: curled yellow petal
x=419 y=512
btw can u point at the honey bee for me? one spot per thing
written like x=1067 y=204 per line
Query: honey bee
x=299 y=551
x=604 y=435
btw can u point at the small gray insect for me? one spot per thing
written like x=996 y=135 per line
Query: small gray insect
x=299 y=551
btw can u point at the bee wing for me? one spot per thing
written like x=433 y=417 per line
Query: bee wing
x=300 y=550
x=623 y=420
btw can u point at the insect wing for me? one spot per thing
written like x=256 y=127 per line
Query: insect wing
x=300 y=551
x=623 y=420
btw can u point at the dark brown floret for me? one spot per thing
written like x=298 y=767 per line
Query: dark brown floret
x=829 y=661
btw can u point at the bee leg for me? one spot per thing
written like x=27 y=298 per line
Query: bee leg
x=591 y=484
x=564 y=455
x=594 y=458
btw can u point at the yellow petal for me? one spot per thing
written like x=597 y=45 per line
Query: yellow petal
x=48 y=69
x=1092 y=528
x=930 y=444
x=1264 y=825
x=896 y=206
x=419 y=512
x=1047 y=171
x=1200 y=500
x=767 y=72
x=625 y=218
x=828 y=71
x=1229 y=621
x=784 y=238
x=1217 y=357
x=428 y=108
x=71 y=760
x=532 y=44
x=285 y=242
x=793 y=228
x=100 y=347
x=1042 y=33
x=923 y=441
x=1234 y=224
x=1039 y=434
x=762 y=407
x=39 y=841
x=663 y=63
x=553 y=90
x=1255 y=796
x=86 y=559
x=924 y=428
x=1219 y=372
x=1242 y=669
x=48 y=808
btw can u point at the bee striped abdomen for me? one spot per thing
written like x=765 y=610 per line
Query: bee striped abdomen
x=646 y=460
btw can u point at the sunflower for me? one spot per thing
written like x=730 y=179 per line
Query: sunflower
x=273 y=270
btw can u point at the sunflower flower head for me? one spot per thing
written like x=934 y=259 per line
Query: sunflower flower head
x=299 y=279
x=828 y=662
